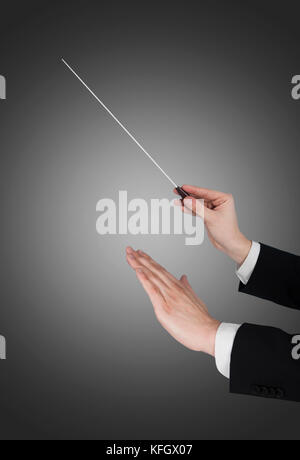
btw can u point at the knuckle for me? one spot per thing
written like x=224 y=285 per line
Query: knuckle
x=173 y=295
x=156 y=265
x=154 y=289
x=168 y=308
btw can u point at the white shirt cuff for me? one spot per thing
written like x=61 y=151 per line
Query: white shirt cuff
x=245 y=271
x=223 y=348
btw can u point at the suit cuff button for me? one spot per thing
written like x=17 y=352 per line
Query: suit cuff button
x=255 y=390
x=265 y=391
x=279 y=393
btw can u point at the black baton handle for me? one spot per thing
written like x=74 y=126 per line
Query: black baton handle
x=182 y=193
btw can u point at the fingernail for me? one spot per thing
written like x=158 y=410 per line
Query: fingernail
x=188 y=202
x=129 y=249
x=131 y=256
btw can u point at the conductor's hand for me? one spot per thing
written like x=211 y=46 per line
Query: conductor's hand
x=175 y=304
x=220 y=220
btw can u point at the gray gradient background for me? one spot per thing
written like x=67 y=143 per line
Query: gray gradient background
x=206 y=86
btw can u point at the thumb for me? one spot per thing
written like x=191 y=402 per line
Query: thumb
x=185 y=282
x=187 y=285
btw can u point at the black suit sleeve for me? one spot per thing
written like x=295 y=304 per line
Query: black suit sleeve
x=275 y=277
x=265 y=362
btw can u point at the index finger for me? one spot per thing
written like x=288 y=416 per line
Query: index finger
x=201 y=192
x=154 y=266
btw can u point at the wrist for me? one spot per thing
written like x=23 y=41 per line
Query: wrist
x=210 y=342
x=239 y=249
